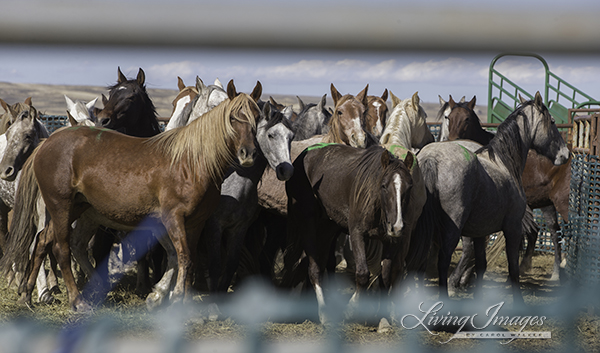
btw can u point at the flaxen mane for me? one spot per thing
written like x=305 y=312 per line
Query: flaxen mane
x=203 y=144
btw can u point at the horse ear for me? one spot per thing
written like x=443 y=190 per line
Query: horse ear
x=451 y=102
x=409 y=160
x=200 y=86
x=28 y=101
x=120 y=77
x=322 y=102
x=416 y=100
x=471 y=104
x=272 y=100
x=395 y=100
x=335 y=94
x=218 y=83
x=362 y=95
x=90 y=105
x=300 y=103
x=442 y=101
x=539 y=101
x=104 y=100
x=384 y=96
x=180 y=83
x=521 y=99
x=463 y=99
x=231 y=90
x=70 y=102
x=72 y=120
x=288 y=112
x=141 y=77
x=266 y=111
x=385 y=159
x=257 y=91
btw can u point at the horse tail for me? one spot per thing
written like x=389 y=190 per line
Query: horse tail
x=428 y=223
x=23 y=228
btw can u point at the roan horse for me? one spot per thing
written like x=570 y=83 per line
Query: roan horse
x=171 y=180
x=477 y=194
x=128 y=108
x=17 y=144
x=11 y=112
x=338 y=188
x=546 y=186
x=312 y=119
x=206 y=99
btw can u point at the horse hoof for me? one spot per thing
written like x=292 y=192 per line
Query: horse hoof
x=384 y=326
x=46 y=298
x=55 y=290
x=153 y=301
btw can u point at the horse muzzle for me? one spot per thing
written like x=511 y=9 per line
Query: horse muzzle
x=394 y=230
x=284 y=171
x=9 y=174
x=562 y=156
x=246 y=157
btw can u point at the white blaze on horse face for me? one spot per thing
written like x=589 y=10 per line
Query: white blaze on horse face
x=359 y=135
x=399 y=222
x=378 y=127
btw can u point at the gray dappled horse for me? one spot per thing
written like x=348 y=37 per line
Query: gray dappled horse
x=477 y=194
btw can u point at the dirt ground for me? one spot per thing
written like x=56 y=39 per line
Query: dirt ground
x=127 y=311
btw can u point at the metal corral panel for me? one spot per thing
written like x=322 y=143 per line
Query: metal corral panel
x=583 y=233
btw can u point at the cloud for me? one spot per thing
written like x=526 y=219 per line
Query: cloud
x=451 y=70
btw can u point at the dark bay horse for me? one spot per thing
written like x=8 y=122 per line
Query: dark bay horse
x=364 y=192
x=128 y=108
x=169 y=182
x=477 y=194
x=546 y=187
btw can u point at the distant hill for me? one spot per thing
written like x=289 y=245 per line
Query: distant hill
x=49 y=99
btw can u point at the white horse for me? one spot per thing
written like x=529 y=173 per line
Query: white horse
x=207 y=98
x=81 y=112
x=407 y=124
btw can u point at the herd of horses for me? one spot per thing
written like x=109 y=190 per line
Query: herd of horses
x=233 y=177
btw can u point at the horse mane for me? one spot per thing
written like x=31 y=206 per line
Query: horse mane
x=279 y=118
x=203 y=144
x=368 y=172
x=400 y=126
x=507 y=145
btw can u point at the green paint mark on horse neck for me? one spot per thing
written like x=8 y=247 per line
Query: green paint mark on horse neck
x=401 y=152
x=320 y=145
x=468 y=154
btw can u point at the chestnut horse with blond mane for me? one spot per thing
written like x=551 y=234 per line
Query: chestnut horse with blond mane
x=168 y=182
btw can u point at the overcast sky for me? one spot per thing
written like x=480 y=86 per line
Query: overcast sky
x=305 y=72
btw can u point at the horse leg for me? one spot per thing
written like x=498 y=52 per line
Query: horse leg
x=448 y=243
x=530 y=229
x=235 y=241
x=84 y=229
x=479 y=248
x=212 y=238
x=361 y=272
x=464 y=268
x=513 y=235
x=551 y=218
x=40 y=249
x=162 y=288
x=44 y=295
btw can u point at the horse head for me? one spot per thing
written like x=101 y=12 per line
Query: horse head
x=22 y=137
x=463 y=122
x=376 y=115
x=243 y=121
x=128 y=108
x=545 y=137
x=396 y=184
x=274 y=135
x=11 y=112
x=81 y=113
x=346 y=123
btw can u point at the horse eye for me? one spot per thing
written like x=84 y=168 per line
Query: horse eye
x=271 y=136
x=383 y=186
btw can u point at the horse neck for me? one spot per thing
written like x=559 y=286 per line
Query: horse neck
x=511 y=144
x=398 y=130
